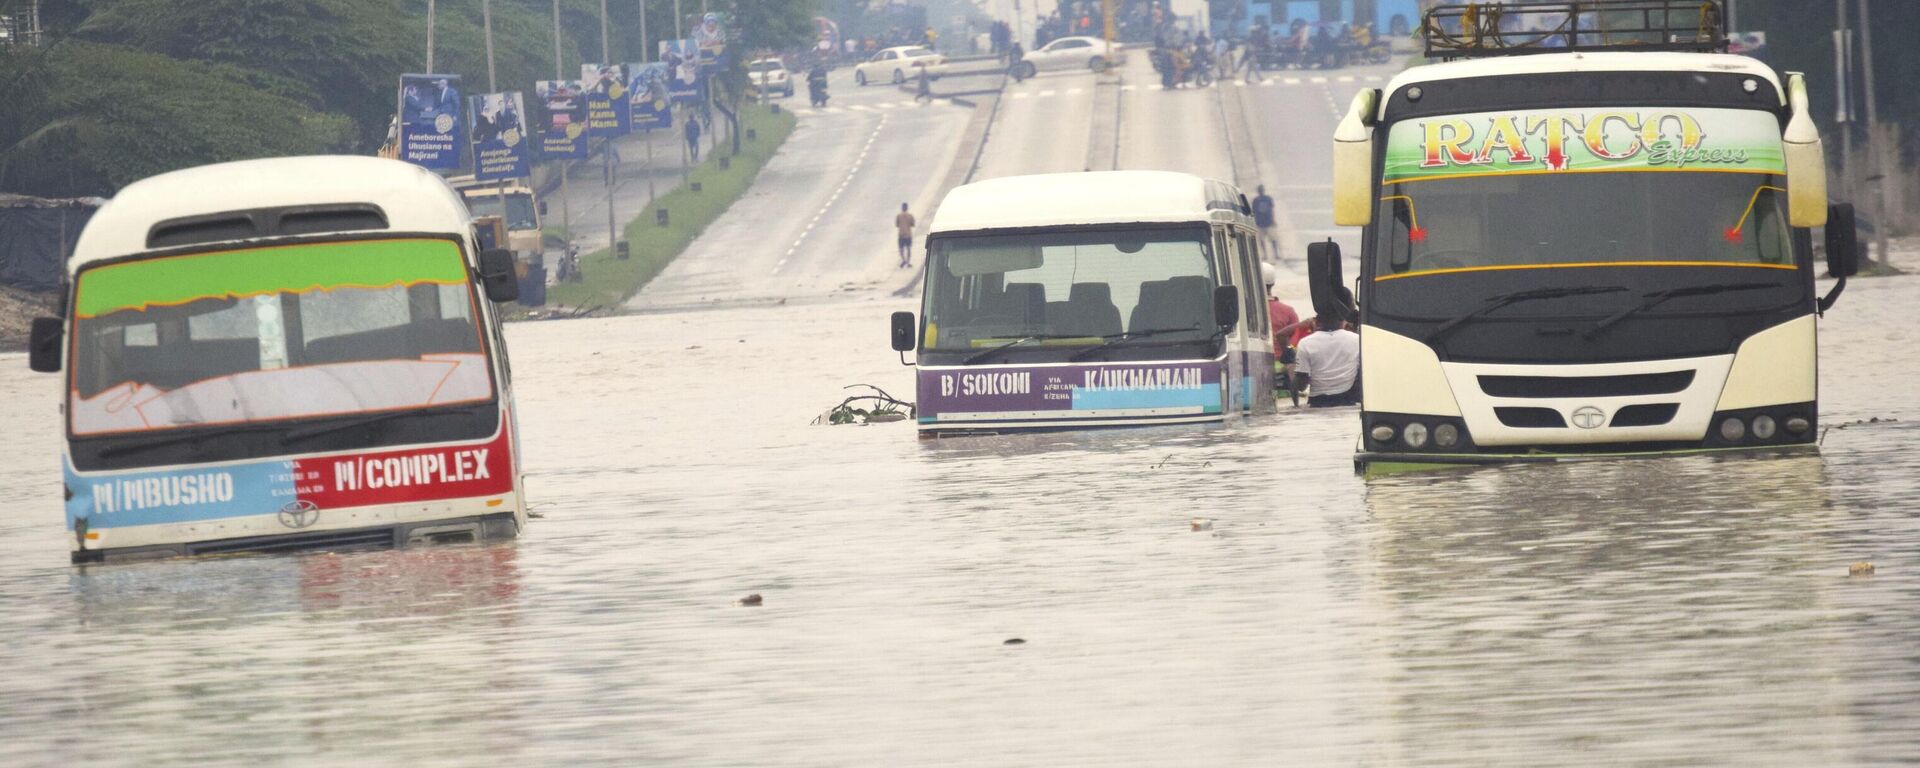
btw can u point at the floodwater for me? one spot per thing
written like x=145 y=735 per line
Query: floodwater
x=1685 y=611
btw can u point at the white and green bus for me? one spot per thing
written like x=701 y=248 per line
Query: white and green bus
x=1603 y=251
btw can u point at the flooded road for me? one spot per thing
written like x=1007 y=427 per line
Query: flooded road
x=1694 y=610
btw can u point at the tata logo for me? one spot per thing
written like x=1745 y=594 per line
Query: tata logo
x=299 y=514
x=1589 y=417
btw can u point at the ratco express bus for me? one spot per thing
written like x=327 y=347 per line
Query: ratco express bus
x=1075 y=300
x=1572 y=254
x=286 y=353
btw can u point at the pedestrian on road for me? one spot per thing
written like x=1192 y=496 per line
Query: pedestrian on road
x=1263 y=218
x=693 y=137
x=924 y=91
x=904 y=223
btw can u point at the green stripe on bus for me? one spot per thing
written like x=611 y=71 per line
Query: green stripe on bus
x=176 y=280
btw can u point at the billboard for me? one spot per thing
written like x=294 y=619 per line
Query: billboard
x=430 y=124
x=499 y=131
x=564 y=130
x=648 y=106
x=606 y=89
x=686 y=79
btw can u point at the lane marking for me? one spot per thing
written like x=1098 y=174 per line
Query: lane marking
x=1022 y=95
x=1318 y=80
x=1046 y=93
x=1071 y=91
x=844 y=181
x=1346 y=78
x=1292 y=81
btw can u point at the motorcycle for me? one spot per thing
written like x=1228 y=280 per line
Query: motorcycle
x=817 y=91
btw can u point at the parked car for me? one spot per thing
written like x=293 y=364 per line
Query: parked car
x=770 y=75
x=1069 y=53
x=899 y=64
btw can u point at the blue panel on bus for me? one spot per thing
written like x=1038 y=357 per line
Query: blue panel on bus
x=179 y=496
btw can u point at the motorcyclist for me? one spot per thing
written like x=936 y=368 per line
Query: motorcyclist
x=817 y=84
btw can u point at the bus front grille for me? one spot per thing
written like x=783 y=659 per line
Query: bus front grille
x=358 y=538
x=1530 y=418
x=1629 y=385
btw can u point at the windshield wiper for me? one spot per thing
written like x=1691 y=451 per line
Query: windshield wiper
x=377 y=418
x=123 y=449
x=1520 y=296
x=1656 y=298
x=988 y=352
x=1119 y=338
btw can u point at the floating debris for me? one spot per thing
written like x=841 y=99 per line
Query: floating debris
x=1861 y=568
x=749 y=600
x=1202 y=524
x=881 y=408
x=1014 y=641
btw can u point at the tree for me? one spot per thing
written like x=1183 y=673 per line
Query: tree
x=87 y=119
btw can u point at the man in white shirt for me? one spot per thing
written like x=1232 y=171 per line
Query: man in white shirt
x=1329 y=359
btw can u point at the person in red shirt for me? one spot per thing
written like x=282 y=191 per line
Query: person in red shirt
x=1282 y=316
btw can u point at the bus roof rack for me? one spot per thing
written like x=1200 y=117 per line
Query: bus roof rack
x=1509 y=28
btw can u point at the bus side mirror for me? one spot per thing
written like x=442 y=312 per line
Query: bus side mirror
x=1806 y=161
x=903 y=331
x=1843 y=241
x=1226 y=306
x=1353 y=162
x=542 y=208
x=43 y=344
x=497 y=275
x=1323 y=278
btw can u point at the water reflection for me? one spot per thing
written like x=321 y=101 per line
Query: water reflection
x=1541 y=611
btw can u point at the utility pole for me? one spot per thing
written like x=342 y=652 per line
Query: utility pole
x=685 y=176
x=646 y=53
x=1843 y=97
x=566 y=192
x=486 y=26
x=430 y=37
x=606 y=145
x=1876 y=143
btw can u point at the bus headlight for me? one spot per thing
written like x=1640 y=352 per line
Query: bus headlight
x=1415 y=435
x=1732 y=429
x=1446 y=435
x=1798 y=424
x=1764 y=427
x=1382 y=433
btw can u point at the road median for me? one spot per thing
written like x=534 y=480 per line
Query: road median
x=607 y=282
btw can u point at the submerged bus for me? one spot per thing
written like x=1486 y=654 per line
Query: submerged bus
x=280 y=354
x=1598 y=252
x=1075 y=300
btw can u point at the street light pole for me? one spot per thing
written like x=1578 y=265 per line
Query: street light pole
x=1876 y=140
x=606 y=145
x=430 y=37
x=566 y=189
x=1843 y=97
x=646 y=140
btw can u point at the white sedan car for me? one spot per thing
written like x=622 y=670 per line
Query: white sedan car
x=770 y=75
x=898 y=65
x=1083 y=53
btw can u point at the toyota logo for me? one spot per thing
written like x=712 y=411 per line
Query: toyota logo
x=299 y=514
x=1589 y=417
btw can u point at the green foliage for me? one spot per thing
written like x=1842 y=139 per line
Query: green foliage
x=86 y=119
x=609 y=282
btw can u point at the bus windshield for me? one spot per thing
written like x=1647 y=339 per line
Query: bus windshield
x=275 y=333
x=1069 y=288
x=1583 y=187
x=520 y=213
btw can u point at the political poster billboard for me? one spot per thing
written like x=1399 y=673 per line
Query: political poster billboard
x=686 y=79
x=563 y=132
x=499 y=131
x=648 y=105
x=430 y=124
x=606 y=89
x=710 y=37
